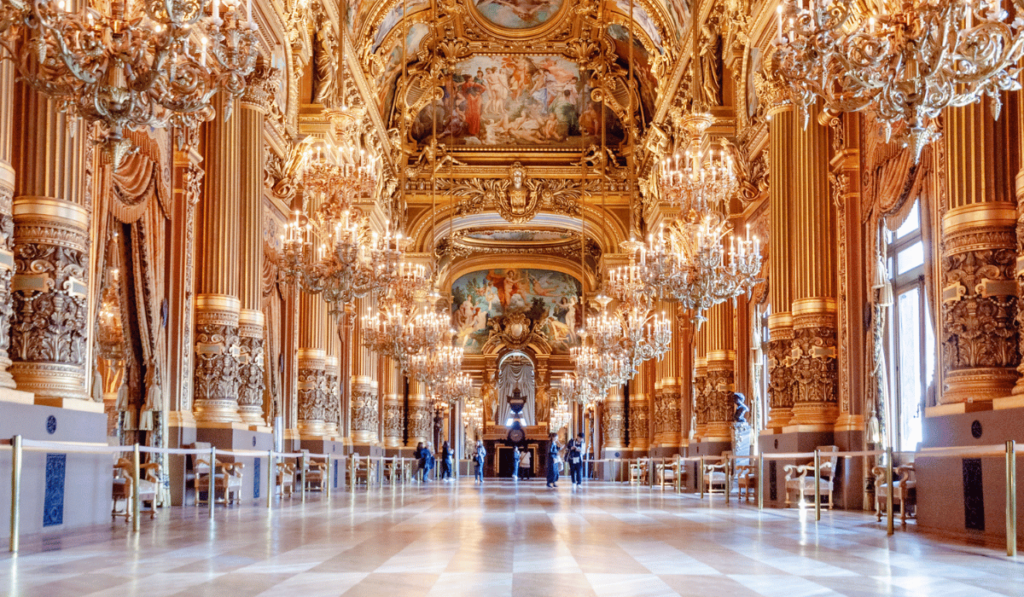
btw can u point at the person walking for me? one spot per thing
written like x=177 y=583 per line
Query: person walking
x=428 y=461
x=418 y=455
x=480 y=458
x=516 y=459
x=553 y=461
x=527 y=465
x=446 y=461
x=576 y=460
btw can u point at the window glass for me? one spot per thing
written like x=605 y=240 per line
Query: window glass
x=910 y=370
x=912 y=223
x=909 y=258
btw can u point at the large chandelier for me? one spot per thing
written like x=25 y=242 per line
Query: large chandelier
x=905 y=65
x=561 y=415
x=332 y=252
x=687 y=261
x=403 y=331
x=131 y=65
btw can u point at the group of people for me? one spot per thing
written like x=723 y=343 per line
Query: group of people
x=426 y=460
x=572 y=453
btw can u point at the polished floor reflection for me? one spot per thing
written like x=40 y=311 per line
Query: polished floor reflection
x=502 y=540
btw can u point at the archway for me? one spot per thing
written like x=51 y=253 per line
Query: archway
x=516 y=389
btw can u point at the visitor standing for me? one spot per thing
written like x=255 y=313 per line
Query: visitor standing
x=516 y=459
x=446 y=461
x=576 y=460
x=428 y=461
x=553 y=461
x=527 y=464
x=480 y=458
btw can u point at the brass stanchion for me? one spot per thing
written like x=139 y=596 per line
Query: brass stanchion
x=327 y=478
x=760 y=481
x=817 y=485
x=700 y=477
x=211 y=494
x=728 y=479
x=677 y=467
x=1011 y=498
x=888 y=494
x=271 y=465
x=136 y=486
x=303 y=465
x=15 y=491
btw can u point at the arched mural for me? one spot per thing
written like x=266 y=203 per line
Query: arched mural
x=548 y=299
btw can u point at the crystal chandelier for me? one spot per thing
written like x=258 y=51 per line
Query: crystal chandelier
x=906 y=64
x=687 y=261
x=402 y=331
x=134 y=65
x=453 y=389
x=561 y=416
x=630 y=333
x=348 y=262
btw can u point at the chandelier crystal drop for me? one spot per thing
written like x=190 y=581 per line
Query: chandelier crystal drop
x=131 y=65
x=904 y=61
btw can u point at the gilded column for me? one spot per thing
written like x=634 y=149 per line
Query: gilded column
x=668 y=421
x=781 y=127
x=639 y=408
x=7 y=179
x=49 y=330
x=421 y=420
x=260 y=87
x=813 y=349
x=365 y=402
x=979 y=340
x=217 y=305
x=332 y=385
x=721 y=370
x=613 y=420
x=701 y=395
x=394 y=415
x=312 y=366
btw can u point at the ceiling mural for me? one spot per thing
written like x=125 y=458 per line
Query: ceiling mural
x=518 y=14
x=643 y=68
x=547 y=299
x=643 y=19
x=393 y=17
x=386 y=81
x=519 y=236
x=517 y=100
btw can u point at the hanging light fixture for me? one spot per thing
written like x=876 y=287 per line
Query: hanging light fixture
x=687 y=260
x=904 y=61
x=332 y=252
x=131 y=65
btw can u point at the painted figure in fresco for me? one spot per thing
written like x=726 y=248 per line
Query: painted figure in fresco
x=508 y=285
x=497 y=92
x=590 y=120
x=472 y=92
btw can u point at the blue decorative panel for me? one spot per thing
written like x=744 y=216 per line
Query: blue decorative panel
x=773 y=481
x=256 y=479
x=53 y=503
x=335 y=486
x=51 y=424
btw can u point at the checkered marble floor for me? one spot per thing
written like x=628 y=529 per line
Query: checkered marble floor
x=606 y=540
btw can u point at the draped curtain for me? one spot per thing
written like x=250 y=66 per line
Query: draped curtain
x=516 y=373
x=892 y=183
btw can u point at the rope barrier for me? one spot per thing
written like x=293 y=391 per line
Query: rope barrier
x=376 y=476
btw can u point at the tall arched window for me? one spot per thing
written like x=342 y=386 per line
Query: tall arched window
x=911 y=338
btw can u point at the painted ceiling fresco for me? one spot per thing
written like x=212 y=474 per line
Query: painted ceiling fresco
x=530 y=236
x=520 y=100
x=518 y=14
x=478 y=296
